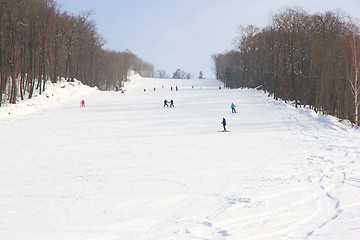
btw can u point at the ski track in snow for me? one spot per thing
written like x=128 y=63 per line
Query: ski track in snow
x=125 y=167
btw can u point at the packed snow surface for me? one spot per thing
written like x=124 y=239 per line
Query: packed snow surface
x=125 y=167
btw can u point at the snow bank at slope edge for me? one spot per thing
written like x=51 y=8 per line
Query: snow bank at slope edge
x=56 y=95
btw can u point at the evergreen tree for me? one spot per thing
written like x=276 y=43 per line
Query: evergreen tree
x=201 y=75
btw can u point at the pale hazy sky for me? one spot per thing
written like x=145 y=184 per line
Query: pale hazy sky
x=183 y=34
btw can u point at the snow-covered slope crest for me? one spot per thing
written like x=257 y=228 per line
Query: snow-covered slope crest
x=56 y=95
x=138 y=83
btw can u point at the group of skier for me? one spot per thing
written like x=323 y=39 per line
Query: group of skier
x=171 y=103
x=171 y=88
x=166 y=104
x=224 y=120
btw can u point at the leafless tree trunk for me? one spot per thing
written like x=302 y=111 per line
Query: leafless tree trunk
x=353 y=70
x=302 y=58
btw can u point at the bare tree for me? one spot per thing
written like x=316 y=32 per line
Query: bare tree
x=306 y=59
x=353 y=65
x=38 y=43
x=161 y=73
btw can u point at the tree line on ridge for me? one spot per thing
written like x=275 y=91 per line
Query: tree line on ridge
x=309 y=59
x=39 y=42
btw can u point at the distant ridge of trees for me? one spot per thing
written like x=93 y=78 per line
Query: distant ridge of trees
x=39 y=42
x=181 y=74
x=310 y=59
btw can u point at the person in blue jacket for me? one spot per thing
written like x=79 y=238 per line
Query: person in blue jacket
x=233 y=108
x=224 y=124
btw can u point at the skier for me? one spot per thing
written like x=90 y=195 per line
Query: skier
x=82 y=103
x=176 y=88
x=172 y=103
x=233 y=108
x=224 y=124
x=166 y=103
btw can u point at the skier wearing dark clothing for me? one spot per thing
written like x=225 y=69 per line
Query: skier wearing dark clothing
x=166 y=103
x=224 y=124
x=172 y=103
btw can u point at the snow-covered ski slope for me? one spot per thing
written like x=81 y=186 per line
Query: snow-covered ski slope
x=125 y=167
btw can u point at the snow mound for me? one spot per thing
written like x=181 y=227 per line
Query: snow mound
x=55 y=96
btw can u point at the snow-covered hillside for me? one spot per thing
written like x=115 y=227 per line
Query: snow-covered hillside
x=125 y=167
x=56 y=95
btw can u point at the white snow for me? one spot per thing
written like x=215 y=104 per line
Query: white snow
x=125 y=167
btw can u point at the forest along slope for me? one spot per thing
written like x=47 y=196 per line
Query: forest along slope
x=125 y=167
